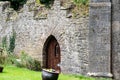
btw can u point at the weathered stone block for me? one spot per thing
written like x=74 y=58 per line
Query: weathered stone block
x=116 y=1
x=116 y=39
x=99 y=39
x=100 y=0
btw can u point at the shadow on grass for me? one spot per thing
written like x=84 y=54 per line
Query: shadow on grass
x=4 y=72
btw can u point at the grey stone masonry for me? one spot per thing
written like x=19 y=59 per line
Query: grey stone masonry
x=99 y=38
x=5 y=31
x=116 y=39
x=96 y=1
x=88 y=45
x=32 y=31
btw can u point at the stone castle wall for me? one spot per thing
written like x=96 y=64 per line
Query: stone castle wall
x=100 y=38
x=32 y=32
x=116 y=38
x=104 y=55
x=89 y=45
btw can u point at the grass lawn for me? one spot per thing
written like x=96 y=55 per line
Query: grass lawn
x=15 y=73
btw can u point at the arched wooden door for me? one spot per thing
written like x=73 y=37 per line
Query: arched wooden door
x=52 y=54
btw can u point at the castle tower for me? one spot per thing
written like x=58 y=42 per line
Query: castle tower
x=100 y=38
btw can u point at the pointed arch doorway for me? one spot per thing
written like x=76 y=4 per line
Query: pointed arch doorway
x=51 y=54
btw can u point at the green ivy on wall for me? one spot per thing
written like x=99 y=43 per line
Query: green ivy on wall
x=12 y=42
x=16 y=4
x=78 y=2
x=77 y=8
x=9 y=47
x=47 y=3
x=4 y=42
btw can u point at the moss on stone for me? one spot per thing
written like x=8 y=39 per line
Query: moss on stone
x=77 y=8
x=40 y=12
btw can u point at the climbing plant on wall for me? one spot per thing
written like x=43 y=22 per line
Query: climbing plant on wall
x=4 y=42
x=78 y=8
x=16 y=4
x=83 y=2
x=12 y=42
x=47 y=3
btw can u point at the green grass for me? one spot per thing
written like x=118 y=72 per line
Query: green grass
x=15 y=73
x=71 y=77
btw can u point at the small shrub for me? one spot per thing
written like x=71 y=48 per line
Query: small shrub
x=6 y=59
x=78 y=8
x=33 y=64
x=38 y=1
x=16 y=4
x=47 y=3
x=18 y=63
x=2 y=59
x=12 y=42
x=83 y=2
x=11 y=58
x=4 y=42
x=28 y=62
x=9 y=47
x=6 y=51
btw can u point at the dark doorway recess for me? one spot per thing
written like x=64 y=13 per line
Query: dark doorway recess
x=51 y=54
